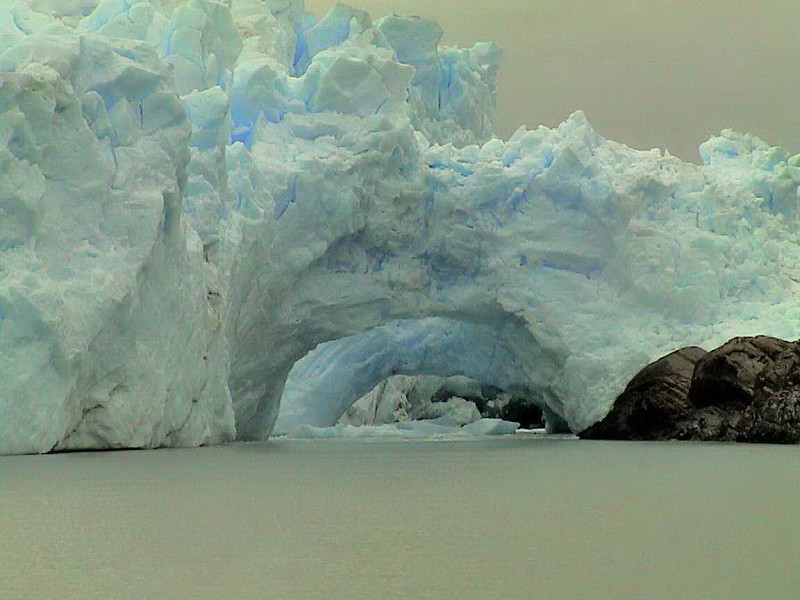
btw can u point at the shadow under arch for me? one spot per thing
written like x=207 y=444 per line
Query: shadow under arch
x=329 y=379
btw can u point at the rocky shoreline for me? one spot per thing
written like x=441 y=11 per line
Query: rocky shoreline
x=747 y=390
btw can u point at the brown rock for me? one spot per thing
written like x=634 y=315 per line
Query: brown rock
x=654 y=401
x=748 y=390
x=731 y=374
x=755 y=382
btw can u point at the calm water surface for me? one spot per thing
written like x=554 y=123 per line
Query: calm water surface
x=520 y=517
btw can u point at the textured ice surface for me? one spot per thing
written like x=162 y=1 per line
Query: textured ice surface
x=490 y=427
x=386 y=403
x=459 y=410
x=443 y=428
x=403 y=397
x=397 y=398
x=195 y=195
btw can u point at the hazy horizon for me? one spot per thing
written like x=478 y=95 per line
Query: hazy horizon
x=647 y=73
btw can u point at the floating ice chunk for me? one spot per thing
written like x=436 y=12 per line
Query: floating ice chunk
x=432 y=427
x=443 y=428
x=406 y=430
x=491 y=427
x=459 y=410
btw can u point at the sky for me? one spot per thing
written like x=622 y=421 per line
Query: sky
x=649 y=73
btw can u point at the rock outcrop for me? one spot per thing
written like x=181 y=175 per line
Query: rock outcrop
x=653 y=402
x=747 y=390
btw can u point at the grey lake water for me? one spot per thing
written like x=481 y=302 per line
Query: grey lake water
x=518 y=517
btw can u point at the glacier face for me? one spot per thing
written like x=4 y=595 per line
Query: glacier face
x=196 y=195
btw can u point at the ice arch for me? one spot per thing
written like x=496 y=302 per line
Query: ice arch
x=607 y=257
x=325 y=383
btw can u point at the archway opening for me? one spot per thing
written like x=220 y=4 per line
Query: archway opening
x=461 y=400
x=439 y=370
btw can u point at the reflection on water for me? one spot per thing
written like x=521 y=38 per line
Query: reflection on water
x=496 y=518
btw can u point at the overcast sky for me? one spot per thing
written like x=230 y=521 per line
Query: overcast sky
x=649 y=73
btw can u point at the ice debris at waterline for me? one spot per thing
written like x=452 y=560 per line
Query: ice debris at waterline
x=195 y=195
x=443 y=428
x=408 y=398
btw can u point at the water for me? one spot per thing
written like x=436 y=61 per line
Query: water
x=497 y=518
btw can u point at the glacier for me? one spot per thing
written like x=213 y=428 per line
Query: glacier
x=210 y=209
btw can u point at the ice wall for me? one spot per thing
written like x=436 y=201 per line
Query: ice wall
x=196 y=194
x=105 y=320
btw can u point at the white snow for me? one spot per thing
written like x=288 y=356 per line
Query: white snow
x=195 y=195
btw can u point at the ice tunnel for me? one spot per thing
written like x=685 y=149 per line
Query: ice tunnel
x=326 y=382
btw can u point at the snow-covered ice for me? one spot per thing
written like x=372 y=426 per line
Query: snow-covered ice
x=196 y=195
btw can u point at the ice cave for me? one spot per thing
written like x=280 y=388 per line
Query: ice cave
x=198 y=194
